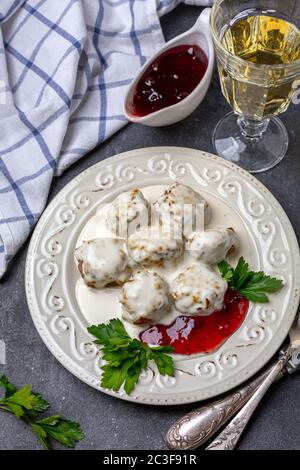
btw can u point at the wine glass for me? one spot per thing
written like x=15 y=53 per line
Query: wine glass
x=257 y=45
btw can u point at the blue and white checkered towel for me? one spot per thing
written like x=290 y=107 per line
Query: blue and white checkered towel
x=65 y=66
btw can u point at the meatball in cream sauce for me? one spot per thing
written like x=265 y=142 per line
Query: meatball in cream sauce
x=103 y=261
x=150 y=245
x=183 y=209
x=198 y=290
x=212 y=246
x=145 y=298
x=127 y=212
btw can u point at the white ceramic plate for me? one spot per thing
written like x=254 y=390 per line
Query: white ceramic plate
x=269 y=243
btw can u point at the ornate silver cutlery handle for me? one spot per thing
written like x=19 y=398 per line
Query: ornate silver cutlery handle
x=197 y=426
x=229 y=437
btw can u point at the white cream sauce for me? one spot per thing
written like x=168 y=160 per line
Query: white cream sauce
x=99 y=306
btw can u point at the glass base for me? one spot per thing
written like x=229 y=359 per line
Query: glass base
x=254 y=154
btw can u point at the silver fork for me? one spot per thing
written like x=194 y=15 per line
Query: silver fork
x=196 y=427
x=229 y=437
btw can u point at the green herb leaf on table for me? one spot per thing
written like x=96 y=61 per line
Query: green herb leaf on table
x=8 y=387
x=59 y=429
x=127 y=357
x=27 y=405
x=253 y=285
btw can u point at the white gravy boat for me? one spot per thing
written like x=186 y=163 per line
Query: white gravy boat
x=199 y=35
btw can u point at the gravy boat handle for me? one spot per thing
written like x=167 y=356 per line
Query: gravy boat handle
x=202 y=22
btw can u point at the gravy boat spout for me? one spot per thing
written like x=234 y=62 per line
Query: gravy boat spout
x=198 y=35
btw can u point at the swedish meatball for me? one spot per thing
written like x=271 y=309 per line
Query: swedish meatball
x=212 y=246
x=198 y=290
x=127 y=212
x=145 y=298
x=150 y=245
x=103 y=261
x=183 y=208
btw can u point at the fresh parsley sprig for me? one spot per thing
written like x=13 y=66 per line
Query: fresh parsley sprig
x=252 y=285
x=127 y=357
x=27 y=405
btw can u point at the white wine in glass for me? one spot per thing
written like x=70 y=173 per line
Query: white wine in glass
x=258 y=52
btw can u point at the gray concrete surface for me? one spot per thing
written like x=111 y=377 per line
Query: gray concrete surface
x=110 y=423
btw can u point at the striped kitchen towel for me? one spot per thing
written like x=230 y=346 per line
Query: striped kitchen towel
x=65 y=66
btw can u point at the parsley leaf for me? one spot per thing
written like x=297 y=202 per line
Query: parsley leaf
x=9 y=388
x=27 y=405
x=164 y=363
x=59 y=429
x=127 y=357
x=21 y=401
x=252 y=285
x=226 y=270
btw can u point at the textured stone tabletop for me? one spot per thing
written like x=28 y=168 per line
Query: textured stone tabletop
x=114 y=424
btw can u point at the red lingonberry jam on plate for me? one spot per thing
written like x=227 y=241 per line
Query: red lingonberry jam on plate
x=190 y=335
x=169 y=79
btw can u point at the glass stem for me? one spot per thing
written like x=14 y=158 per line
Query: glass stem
x=252 y=129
